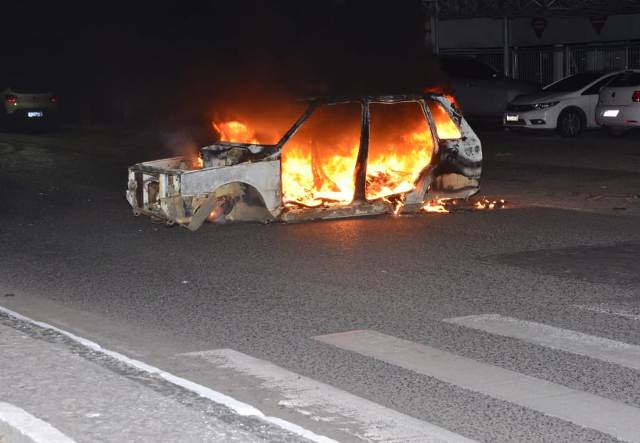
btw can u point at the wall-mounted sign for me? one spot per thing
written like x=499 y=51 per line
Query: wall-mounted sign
x=598 y=22
x=538 y=24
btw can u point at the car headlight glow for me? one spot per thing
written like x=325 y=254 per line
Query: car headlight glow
x=544 y=105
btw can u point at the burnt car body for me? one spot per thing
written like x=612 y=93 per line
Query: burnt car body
x=243 y=181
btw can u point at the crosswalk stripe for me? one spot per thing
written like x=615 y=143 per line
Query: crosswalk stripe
x=324 y=403
x=234 y=405
x=578 y=407
x=18 y=425
x=623 y=354
x=608 y=309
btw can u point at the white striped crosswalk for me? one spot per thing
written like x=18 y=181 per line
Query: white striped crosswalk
x=325 y=403
x=321 y=412
x=578 y=407
x=613 y=309
x=365 y=420
x=611 y=351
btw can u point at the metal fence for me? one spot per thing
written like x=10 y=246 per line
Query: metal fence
x=533 y=64
x=539 y=64
x=586 y=58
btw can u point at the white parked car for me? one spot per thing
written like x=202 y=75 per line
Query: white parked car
x=618 y=109
x=567 y=105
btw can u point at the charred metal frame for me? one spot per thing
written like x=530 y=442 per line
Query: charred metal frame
x=451 y=162
x=456 y=161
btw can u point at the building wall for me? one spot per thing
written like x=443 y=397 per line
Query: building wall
x=487 y=33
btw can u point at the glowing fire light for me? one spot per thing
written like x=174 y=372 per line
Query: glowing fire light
x=235 y=131
x=436 y=206
x=452 y=100
x=445 y=126
x=318 y=164
x=312 y=180
x=490 y=204
x=397 y=202
x=446 y=92
x=192 y=160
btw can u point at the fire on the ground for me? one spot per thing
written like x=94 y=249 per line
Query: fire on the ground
x=342 y=157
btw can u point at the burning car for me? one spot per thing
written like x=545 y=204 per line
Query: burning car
x=342 y=157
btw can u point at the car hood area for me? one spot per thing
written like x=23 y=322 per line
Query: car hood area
x=541 y=97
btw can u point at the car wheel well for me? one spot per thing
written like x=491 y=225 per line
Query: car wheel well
x=580 y=112
x=240 y=201
x=565 y=126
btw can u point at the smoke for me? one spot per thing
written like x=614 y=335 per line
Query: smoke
x=262 y=54
x=179 y=68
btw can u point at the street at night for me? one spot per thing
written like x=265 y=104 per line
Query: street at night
x=75 y=257
x=511 y=315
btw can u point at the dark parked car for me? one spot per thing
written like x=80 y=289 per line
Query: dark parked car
x=480 y=90
x=28 y=105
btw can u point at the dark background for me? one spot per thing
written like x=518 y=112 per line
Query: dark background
x=154 y=64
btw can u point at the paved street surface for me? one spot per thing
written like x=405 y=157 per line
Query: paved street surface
x=520 y=324
x=95 y=398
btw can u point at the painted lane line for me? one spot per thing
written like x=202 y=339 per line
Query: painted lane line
x=238 y=407
x=17 y=425
x=578 y=407
x=623 y=354
x=603 y=308
x=321 y=402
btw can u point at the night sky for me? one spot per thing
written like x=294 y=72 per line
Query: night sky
x=173 y=61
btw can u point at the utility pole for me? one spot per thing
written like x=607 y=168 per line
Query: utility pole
x=506 y=50
x=432 y=37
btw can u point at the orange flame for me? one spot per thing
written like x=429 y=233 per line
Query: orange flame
x=436 y=206
x=318 y=164
x=235 y=131
x=445 y=126
x=490 y=204
x=398 y=202
x=191 y=160
x=452 y=100
x=446 y=91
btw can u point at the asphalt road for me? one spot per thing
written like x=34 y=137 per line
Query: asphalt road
x=73 y=255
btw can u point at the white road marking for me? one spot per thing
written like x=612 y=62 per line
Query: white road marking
x=321 y=402
x=578 y=407
x=218 y=397
x=604 y=308
x=623 y=354
x=17 y=425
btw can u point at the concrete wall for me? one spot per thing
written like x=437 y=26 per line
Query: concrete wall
x=487 y=33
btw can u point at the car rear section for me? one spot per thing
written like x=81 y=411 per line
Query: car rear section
x=619 y=102
x=25 y=106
